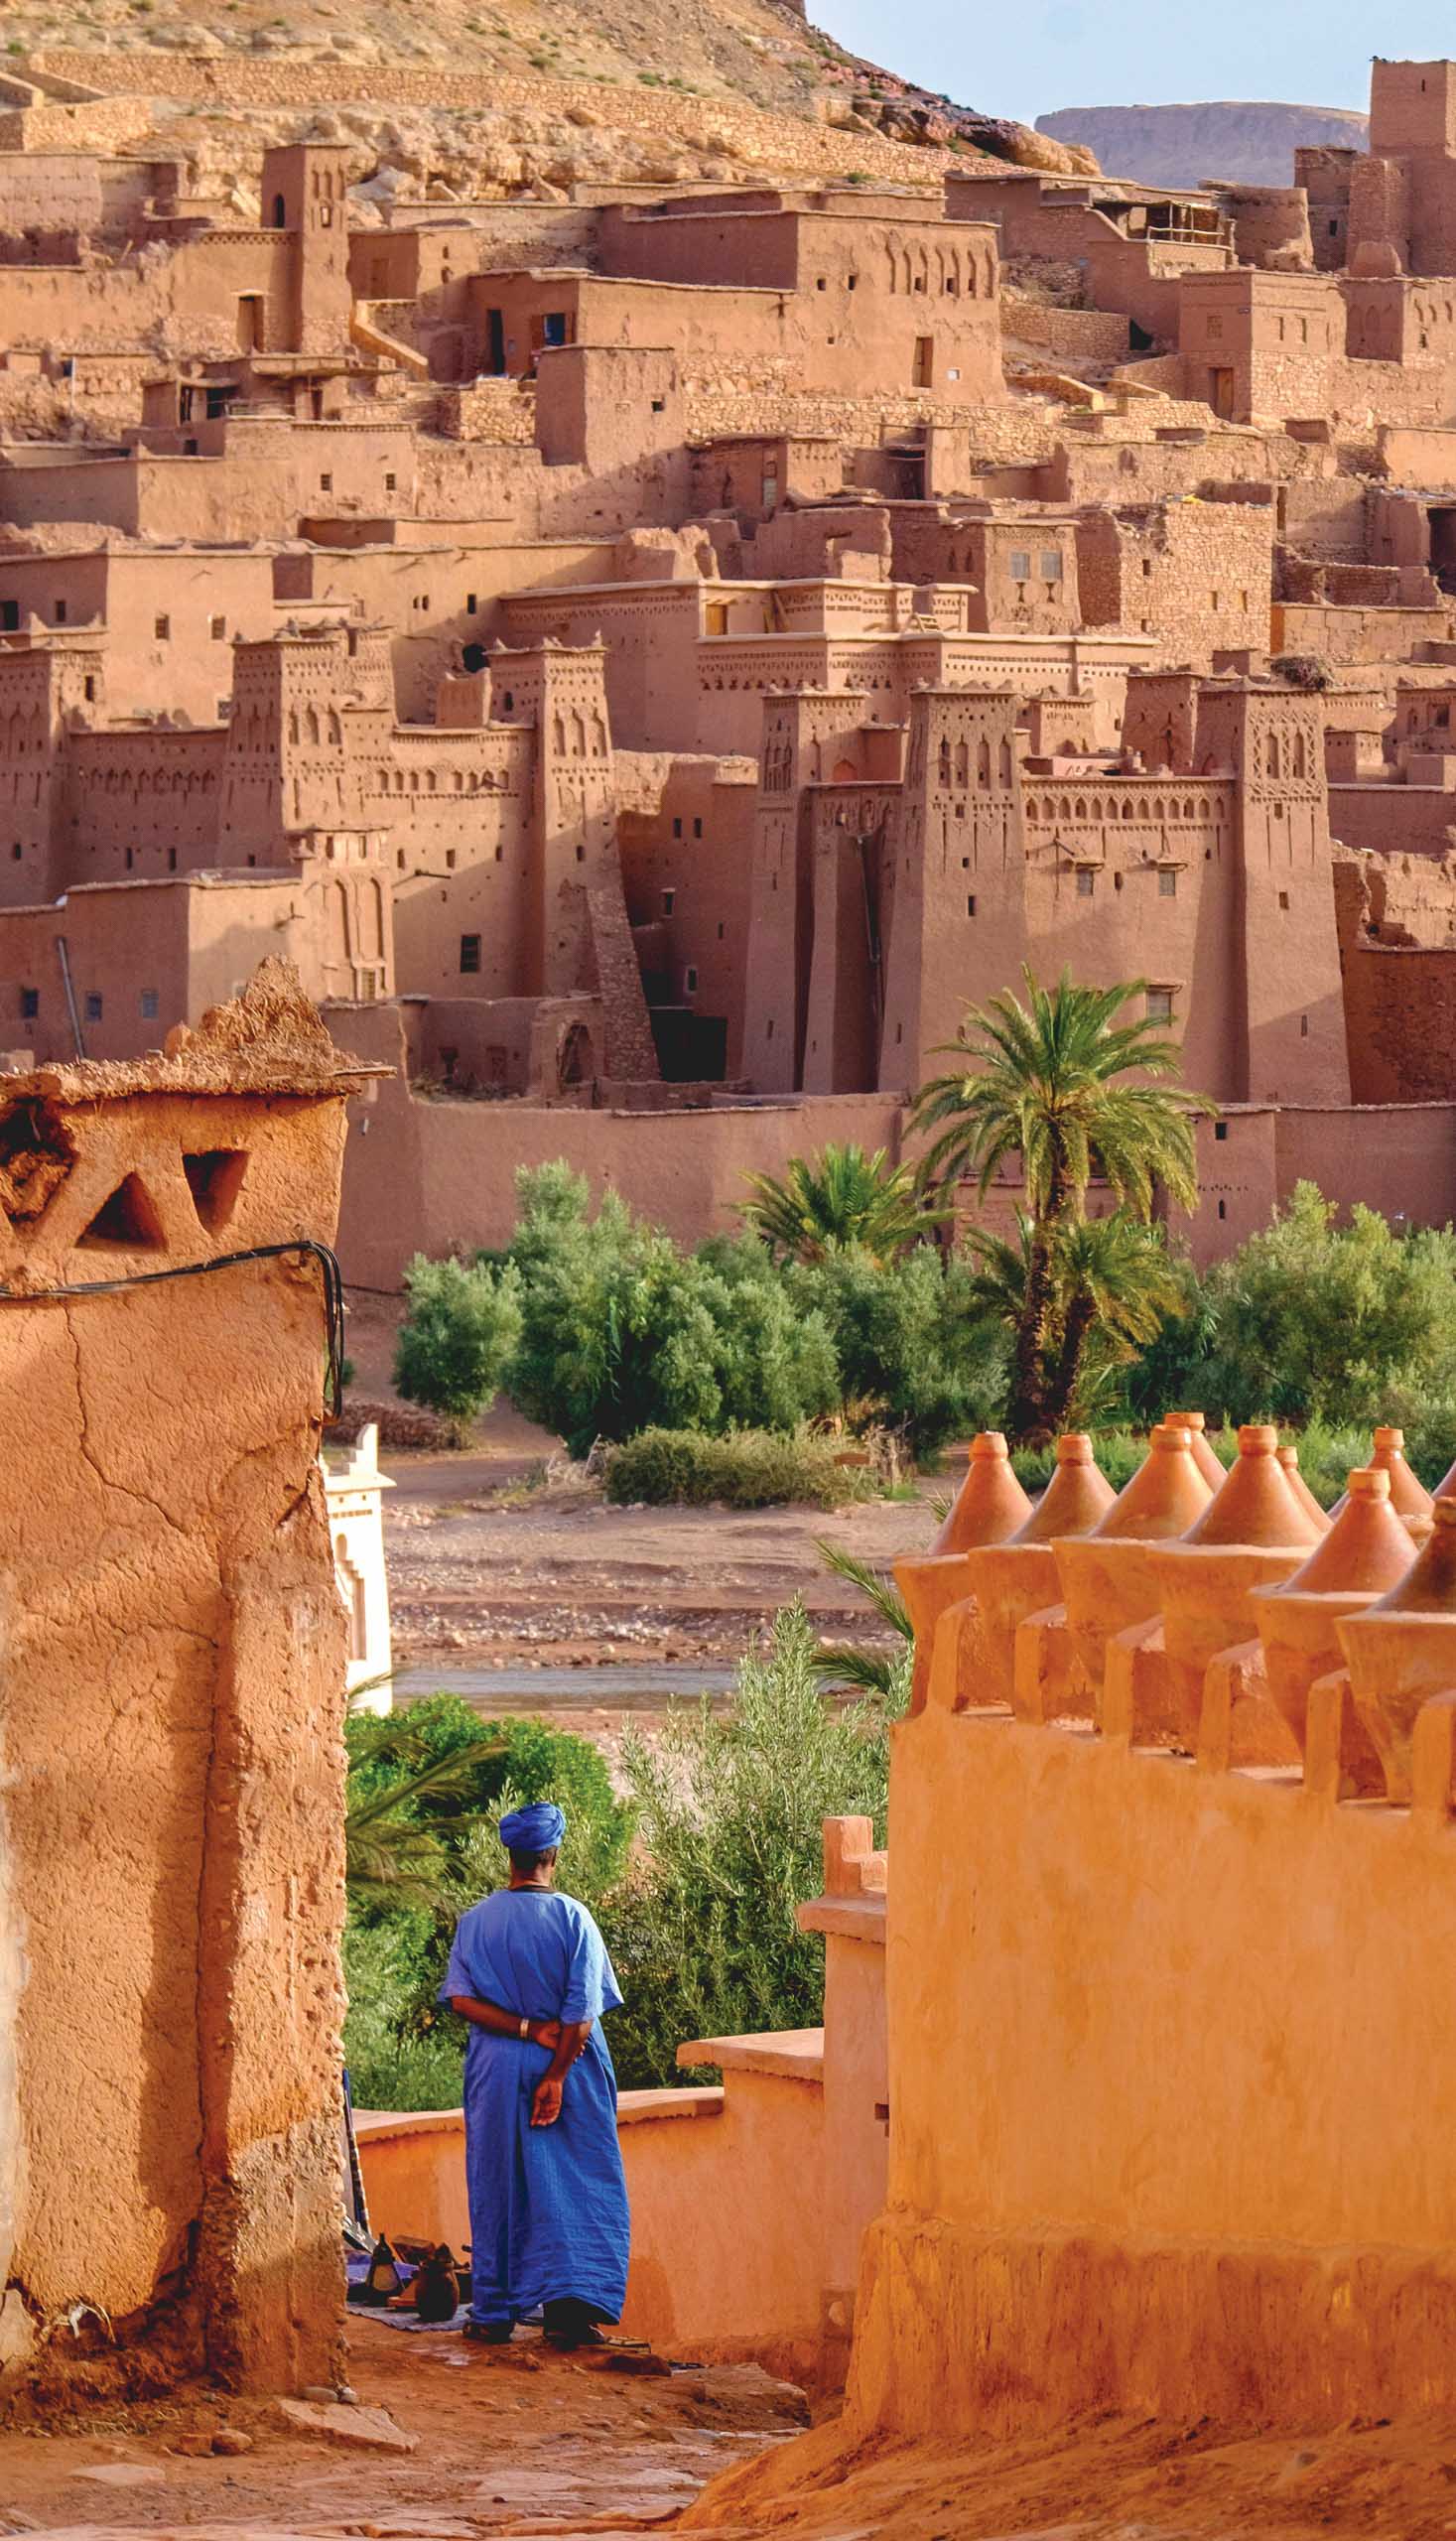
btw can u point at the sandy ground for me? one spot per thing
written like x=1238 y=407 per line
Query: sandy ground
x=531 y=2445
x=563 y=1579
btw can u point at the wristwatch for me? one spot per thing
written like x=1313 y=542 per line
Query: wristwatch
x=525 y=2029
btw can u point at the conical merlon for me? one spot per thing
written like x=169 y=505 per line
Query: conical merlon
x=1166 y=1494
x=991 y=1503
x=1213 y=1472
x=1367 y=1548
x=1289 y=1459
x=1429 y=1585
x=1076 y=1496
x=1256 y=1505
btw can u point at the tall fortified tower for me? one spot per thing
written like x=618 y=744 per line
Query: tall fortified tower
x=306 y=193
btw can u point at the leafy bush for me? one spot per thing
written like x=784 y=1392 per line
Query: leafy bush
x=746 y=1469
x=1313 y=1321
x=701 y=1933
x=913 y=1348
x=621 y=1331
x=458 y=1336
x=520 y=1757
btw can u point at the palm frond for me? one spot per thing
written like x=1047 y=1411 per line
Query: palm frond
x=880 y=1590
x=867 y=1671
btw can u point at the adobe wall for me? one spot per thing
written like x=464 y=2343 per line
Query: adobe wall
x=1223 y=2233
x=170 y=2130
x=427 y=1176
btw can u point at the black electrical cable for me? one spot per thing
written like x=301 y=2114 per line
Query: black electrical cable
x=328 y=1263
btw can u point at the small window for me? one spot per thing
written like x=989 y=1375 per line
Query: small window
x=1159 y=1006
x=659 y=405
x=1167 y=885
x=151 y=1004
x=217 y=630
x=854 y=281
x=171 y=859
x=1221 y=1128
x=1304 y=1027
x=325 y=484
x=389 y=485
x=9 y=617
x=93 y=1006
x=30 y=1005
x=668 y=899
x=1021 y=564
x=469 y=953
x=472 y=605
x=696 y=829
x=969 y=904
x=162 y=628
x=690 y=981
x=1051 y=563
x=1283 y=899
x=1148 y=568
x=59 y=612
x=819 y=282
x=677 y=829
x=1222 y=1208
x=90 y=688
x=1086 y=883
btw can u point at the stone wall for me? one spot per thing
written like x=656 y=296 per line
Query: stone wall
x=170 y=1844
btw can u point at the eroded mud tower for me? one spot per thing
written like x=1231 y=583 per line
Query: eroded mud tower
x=172 y=1666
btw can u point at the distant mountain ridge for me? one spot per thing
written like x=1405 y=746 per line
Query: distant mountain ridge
x=1242 y=144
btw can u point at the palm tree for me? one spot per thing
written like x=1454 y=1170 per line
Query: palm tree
x=1116 y=1284
x=1061 y=1085
x=846 y=1199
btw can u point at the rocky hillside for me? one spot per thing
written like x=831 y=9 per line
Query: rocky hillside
x=1251 y=145
x=528 y=94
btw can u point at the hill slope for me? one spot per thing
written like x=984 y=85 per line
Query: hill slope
x=1251 y=145
x=555 y=89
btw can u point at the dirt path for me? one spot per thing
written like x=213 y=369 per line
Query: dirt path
x=510 y=2443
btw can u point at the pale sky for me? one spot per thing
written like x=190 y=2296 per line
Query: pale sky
x=1027 y=58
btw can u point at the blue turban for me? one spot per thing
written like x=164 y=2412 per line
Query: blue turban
x=538 y=1829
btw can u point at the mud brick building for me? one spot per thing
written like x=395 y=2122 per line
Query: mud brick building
x=667 y=652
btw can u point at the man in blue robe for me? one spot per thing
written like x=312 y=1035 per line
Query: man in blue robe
x=549 y=2225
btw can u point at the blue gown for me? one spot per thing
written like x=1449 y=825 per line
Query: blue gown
x=548 y=2204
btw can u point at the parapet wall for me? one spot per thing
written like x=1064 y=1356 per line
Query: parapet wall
x=1172 y=2126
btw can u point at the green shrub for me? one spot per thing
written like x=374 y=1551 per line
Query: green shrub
x=523 y=1756
x=621 y=1331
x=702 y=1932
x=912 y=1350
x=746 y=1469
x=1314 y=1322
x=458 y=1336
